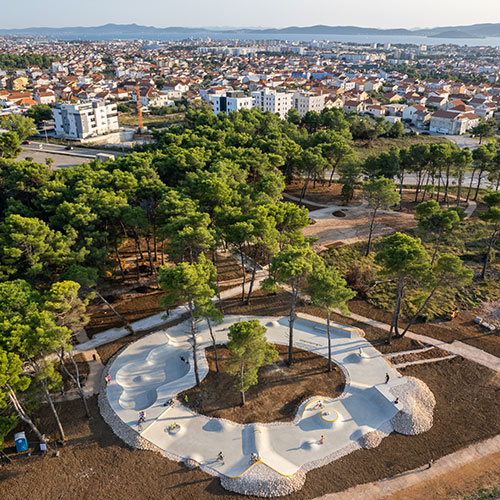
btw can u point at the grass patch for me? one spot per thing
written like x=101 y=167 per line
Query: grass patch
x=151 y=121
x=485 y=494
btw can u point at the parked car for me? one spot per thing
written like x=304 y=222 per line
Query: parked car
x=26 y=142
x=69 y=148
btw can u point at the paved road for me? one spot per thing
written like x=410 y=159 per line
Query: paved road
x=62 y=157
x=77 y=151
x=60 y=161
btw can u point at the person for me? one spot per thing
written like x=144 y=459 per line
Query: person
x=396 y=401
x=94 y=357
x=220 y=456
x=360 y=352
x=142 y=416
x=319 y=404
x=170 y=402
x=107 y=379
x=184 y=360
x=387 y=378
x=254 y=457
x=322 y=439
x=429 y=463
x=167 y=313
x=186 y=399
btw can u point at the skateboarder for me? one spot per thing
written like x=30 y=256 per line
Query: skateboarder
x=322 y=440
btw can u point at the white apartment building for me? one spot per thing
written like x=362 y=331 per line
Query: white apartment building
x=307 y=101
x=272 y=101
x=229 y=102
x=85 y=119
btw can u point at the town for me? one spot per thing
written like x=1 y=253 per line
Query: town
x=429 y=89
x=249 y=263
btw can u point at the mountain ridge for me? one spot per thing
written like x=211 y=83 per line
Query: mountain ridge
x=138 y=31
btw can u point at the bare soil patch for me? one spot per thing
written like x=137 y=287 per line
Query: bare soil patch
x=141 y=300
x=134 y=307
x=433 y=353
x=83 y=370
x=280 y=390
x=322 y=193
x=408 y=203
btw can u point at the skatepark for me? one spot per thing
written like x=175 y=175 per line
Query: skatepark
x=149 y=373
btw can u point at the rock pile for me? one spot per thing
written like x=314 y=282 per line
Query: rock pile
x=261 y=481
x=418 y=407
x=371 y=440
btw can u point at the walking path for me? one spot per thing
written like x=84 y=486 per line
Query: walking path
x=456 y=347
x=157 y=320
x=386 y=487
x=94 y=378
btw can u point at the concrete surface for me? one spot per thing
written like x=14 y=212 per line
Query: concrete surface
x=149 y=372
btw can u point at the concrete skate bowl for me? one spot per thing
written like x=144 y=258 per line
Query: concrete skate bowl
x=141 y=380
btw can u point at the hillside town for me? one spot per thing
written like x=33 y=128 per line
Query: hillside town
x=432 y=89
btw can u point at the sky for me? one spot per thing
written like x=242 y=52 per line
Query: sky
x=245 y=13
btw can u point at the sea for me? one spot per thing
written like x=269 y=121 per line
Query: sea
x=357 y=39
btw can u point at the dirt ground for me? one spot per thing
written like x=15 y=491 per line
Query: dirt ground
x=350 y=224
x=433 y=353
x=461 y=328
x=322 y=193
x=354 y=227
x=96 y=464
x=408 y=203
x=83 y=371
x=456 y=485
x=141 y=300
x=274 y=398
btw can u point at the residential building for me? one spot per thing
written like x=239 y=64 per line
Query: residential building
x=452 y=123
x=272 y=101
x=356 y=106
x=230 y=101
x=44 y=96
x=308 y=101
x=85 y=119
x=17 y=83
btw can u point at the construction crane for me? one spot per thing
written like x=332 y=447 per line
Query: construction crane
x=139 y=107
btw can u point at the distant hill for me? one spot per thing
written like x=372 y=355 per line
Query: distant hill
x=454 y=34
x=131 y=31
